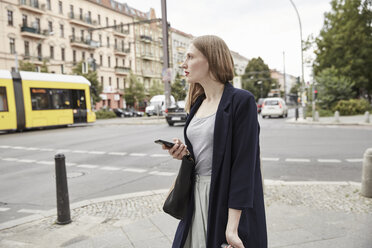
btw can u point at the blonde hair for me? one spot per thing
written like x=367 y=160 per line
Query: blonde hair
x=221 y=64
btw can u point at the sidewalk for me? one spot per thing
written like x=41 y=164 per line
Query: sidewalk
x=343 y=120
x=145 y=120
x=299 y=214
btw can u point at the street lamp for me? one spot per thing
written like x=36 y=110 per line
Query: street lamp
x=260 y=83
x=302 y=56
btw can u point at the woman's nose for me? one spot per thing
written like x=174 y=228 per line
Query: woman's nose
x=184 y=66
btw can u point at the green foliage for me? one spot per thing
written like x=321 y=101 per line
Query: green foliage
x=156 y=89
x=96 y=87
x=105 y=114
x=178 y=89
x=26 y=66
x=256 y=71
x=135 y=93
x=345 y=43
x=44 y=67
x=333 y=87
x=352 y=106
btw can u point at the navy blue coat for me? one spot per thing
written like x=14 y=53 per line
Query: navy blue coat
x=236 y=180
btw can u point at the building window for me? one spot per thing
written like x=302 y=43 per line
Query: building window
x=99 y=19
x=109 y=81
x=107 y=22
x=100 y=60
x=61 y=30
x=3 y=100
x=50 y=27
x=81 y=13
x=39 y=52
x=116 y=44
x=63 y=58
x=116 y=62
x=62 y=69
x=51 y=49
x=73 y=34
x=109 y=61
x=82 y=35
x=108 y=41
x=74 y=57
x=117 y=83
x=60 y=7
x=24 y=20
x=49 y=6
x=27 y=48
x=102 y=80
x=72 y=15
x=100 y=39
x=10 y=18
x=83 y=56
x=12 y=45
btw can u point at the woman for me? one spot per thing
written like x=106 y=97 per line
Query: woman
x=222 y=135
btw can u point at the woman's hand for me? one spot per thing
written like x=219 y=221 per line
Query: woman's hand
x=233 y=239
x=232 y=236
x=178 y=150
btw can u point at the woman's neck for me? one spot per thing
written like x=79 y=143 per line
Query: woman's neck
x=213 y=90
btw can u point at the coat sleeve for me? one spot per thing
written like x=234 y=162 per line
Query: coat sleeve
x=244 y=153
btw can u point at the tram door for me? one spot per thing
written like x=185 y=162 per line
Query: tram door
x=79 y=106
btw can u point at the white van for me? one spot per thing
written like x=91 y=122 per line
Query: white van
x=157 y=105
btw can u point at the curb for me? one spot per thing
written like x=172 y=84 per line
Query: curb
x=52 y=212
x=329 y=123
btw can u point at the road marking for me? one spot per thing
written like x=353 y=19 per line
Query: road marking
x=18 y=147
x=30 y=211
x=159 y=155
x=137 y=154
x=46 y=149
x=70 y=164
x=45 y=162
x=88 y=166
x=354 y=160
x=96 y=152
x=135 y=170
x=158 y=173
x=26 y=161
x=270 y=159
x=9 y=159
x=4 y=147
x=4 y=209
x=63 y=150
x=79 y=151
x=32 y=149
x=110 y=168
x=329 y=161
x=118 y=153
x=300 y=160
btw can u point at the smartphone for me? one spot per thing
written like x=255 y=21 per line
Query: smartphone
x=224 y=245
x=163 y=142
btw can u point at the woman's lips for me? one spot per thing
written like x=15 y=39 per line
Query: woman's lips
x=186 y=73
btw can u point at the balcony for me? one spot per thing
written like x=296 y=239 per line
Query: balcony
x=148 y=56
x=150 y=74
x=122 y=70
x=32 y=6
x=37 y=60
x=82 y=21
x=31 y=33
x=121 y=32
x=121 y=51
x=81 y=42
x=145 y=38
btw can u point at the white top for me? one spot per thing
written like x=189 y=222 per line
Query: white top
x=51 y=77
x=5 y=74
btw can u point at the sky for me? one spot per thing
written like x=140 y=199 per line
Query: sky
x=253 y=28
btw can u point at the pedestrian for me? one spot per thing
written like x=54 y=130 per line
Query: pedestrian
x=222 y=136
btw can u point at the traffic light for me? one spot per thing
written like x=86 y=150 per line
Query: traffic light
x=315 y=94
x=298 y=80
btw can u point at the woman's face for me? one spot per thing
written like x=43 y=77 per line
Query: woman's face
x=195 y=65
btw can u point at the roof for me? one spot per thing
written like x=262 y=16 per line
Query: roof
x=5 y=74
x=237 y=55
x=51 y=77
x=181 y=33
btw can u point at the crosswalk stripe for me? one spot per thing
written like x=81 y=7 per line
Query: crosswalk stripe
x=137 y=154
x=44 y=162
x=5 y=147
x=118 y=153
x=110 y=168
x=9 y=159
x=32 y=149
x=329 y=161
x=87 y=166
x=301 y=160
x=97 y=152
x=158 y=173
x=159 y=155
x=135 y=170
x=30 y=211
x=4 y=209
x=79 y=151
x=70 y=164
x=46 y=149
x=354 y=160
x=26 y=161
x=63 y=150
x=270 y=159
x=18 y=147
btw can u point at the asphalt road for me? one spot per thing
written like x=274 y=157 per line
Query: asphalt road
x=104 y=160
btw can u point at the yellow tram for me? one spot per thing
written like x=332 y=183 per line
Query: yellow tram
x=31 y=100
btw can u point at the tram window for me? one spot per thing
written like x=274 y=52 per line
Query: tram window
x=40 y=99
x=3 y=100
x=60 y=99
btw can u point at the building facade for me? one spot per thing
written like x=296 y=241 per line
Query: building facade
x=283 y=85
x=240 y=63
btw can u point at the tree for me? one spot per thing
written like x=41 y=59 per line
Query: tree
x=26 y=66
x=135 y=93
x=345 y=42
x=96 y=88
x=333 y=87
x=156 y=89
x=255 y=72
x=178 y=88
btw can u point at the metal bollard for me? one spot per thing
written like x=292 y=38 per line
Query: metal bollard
x=296 y=113
x=63 y=203
x=316 y=117
x=367 y=174
x=337 y=117
x=366 y=117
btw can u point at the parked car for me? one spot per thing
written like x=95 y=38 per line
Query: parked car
x=259 y=104
x=274 y=107
x=157 y=105
x=135 y=112
x=176 y=113
x=122 y=113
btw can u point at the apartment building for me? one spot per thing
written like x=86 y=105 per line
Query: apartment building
x=283 y=85
x=180 y=43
